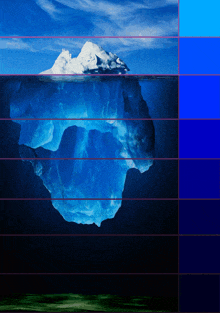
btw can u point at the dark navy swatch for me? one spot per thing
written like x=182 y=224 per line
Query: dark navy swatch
x=199 y=139
x=199 y=179
x=199 y=96
x=199 y=293
x=199 y=217
x=199 y=254
x=199 y=55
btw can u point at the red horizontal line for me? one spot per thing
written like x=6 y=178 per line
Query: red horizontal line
x=94 y=159
x=109 y=37
x=88 y=273
x=113 y=119
x=89 y=235
x=111 y=312
x=81 y=37
x=105 y=311
x=101 y=311
x=109 y=235
x=109 y=274
x=106 y=199
x=119 y=159
x=89 y=119
x=119 y=75
x=94 y=199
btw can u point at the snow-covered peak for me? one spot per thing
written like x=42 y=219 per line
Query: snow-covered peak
x=65 y=55
x=91 y=59
x=91 y=47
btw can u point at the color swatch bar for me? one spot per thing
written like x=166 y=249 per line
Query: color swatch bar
x=199 y=156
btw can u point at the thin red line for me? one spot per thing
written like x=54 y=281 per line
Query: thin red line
x=117 y=75
x=88 y=273
x=119 y=159
x=100 y=311
x=110 y=274
x=92 y=199
x=94 y=159
x=90 y=119
x=81 y=37
x=106 y=119
x=109 y=37
x=109 y=235
x=88 y=235
x=106 y=199
x=115 y=312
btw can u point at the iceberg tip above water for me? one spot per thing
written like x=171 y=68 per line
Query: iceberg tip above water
x=92 y=59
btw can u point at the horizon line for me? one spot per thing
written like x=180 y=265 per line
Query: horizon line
x=117 y=75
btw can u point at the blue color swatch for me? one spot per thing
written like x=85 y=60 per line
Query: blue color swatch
x=199 y=179
x=199 y=18
x=199 y=96
x=199 y=254
x=199 y=55
x=199 y=139
x=199 y=293
x=199 y=217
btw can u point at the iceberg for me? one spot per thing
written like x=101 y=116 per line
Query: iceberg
x=91 y=60
x=96 y=126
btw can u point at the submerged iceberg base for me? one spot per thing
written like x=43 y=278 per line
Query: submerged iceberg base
x=87 y=211
x=72 y=137
x=90 y=178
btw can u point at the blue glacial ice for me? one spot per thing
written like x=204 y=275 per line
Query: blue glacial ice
x=108 y=98
x=103 y=97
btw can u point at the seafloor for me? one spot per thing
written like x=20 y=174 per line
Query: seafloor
x=85 y=303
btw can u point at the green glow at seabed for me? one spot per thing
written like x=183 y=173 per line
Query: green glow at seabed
x=79 y=303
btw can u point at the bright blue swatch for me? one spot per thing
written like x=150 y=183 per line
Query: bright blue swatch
x=199 y=18
x=199 y=96
x=199 y=217
x=198 y=179
x=199 y=55
x=199 y=139
x=199 y=293
x=199 y=254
